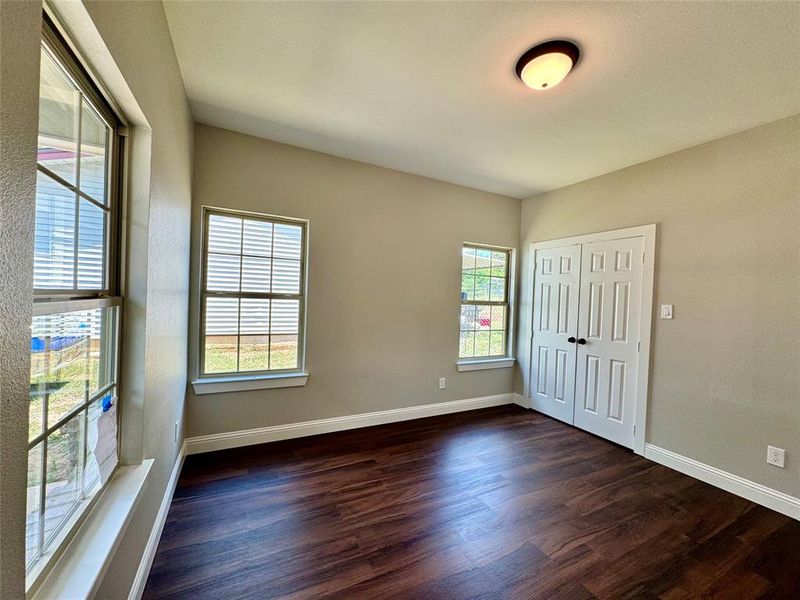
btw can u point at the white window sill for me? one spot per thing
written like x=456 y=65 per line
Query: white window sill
x=80 y=568
x=217 y=385
x=486 y=363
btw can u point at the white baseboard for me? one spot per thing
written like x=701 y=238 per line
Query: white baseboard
x=234 y=439
x=755 y=492
x=522 y=401
x=137 y=589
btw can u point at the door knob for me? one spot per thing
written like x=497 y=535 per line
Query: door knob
x=571 y=340
x=582 y=341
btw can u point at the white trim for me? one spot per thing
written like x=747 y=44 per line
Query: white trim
x=142 y=573
x=521 y=400
x=247 y=437
x=217 y=385
x=648 y=232
x=755 y=492
x=486 y=363
x=83 y=563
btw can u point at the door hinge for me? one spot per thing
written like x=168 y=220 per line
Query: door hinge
x=634 y=430
x=642 y=257
x=122 y=130
x=638 y=346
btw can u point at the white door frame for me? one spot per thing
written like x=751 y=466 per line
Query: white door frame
x=648 y=232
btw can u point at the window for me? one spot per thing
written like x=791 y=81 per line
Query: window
x=253 y=294
x=484 y=302
x=72 y=439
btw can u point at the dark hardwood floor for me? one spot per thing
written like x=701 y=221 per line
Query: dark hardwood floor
x=495 y=503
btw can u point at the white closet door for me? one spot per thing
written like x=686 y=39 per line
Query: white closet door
x=610 y=307
x=555 y=319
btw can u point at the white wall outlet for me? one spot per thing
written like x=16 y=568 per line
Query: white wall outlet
x=177 y=428
x=775 y=456
x=666 y=311
x=442 y=383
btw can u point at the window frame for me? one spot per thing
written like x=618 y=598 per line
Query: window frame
x=499 y=359
x=204 y=294
x=56 y=301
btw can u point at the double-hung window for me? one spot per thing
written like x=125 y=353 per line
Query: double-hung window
x=72 y=439
x=252 y=294
x=485 y=309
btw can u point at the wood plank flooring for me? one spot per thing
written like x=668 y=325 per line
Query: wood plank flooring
x=495 y=503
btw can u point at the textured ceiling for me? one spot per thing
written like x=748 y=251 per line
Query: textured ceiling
x=429 y=88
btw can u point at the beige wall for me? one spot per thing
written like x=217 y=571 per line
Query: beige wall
x=384 y=278
x=20 y=26
x=137 y=36
x=725 y=374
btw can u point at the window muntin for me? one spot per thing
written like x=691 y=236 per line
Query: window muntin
x=72 y=441
x=253 y=294
x=484 y=302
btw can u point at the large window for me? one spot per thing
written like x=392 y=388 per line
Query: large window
x=72 y=440
x=253 y=294
x=484 y=302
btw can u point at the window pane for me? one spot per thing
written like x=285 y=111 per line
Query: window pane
x=482 y=343
x=469 y=314
x=60 y=362
x=483 y=317
x=255 y=316
x=481 y=288
x=483 y=262
x=54 y=245
x=498 y=317
x=497 y=290
x=222 y=327
x=254 y=353
x=497 y=344
x=73 y=356
x=222 y=273
x=220 y=354
x=255 y=274
x=33 y=511
x=58 y=121
x=467 y=286
x=101 y=443
x=283 y=352
x=499 y=264
x=468 y=259
x=64 y=473
x=288 y=241
x=35 y=413
x=285 y=276
x=222 y=316
x=94 y=144
x=285 y=316
x=91 y=246
x=224 y=234
x=257 y=238
x=467 y=344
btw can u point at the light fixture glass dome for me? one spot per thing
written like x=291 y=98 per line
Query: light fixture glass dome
x=546 y=71
x=546 y=65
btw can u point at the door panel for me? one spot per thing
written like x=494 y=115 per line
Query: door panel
x=555 y=318
x=610 y=300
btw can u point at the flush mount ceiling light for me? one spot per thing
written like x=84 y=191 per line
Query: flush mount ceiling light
x=546 y=65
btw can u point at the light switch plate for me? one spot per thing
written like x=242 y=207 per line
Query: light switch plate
x=666 y=311
x=442 y=383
